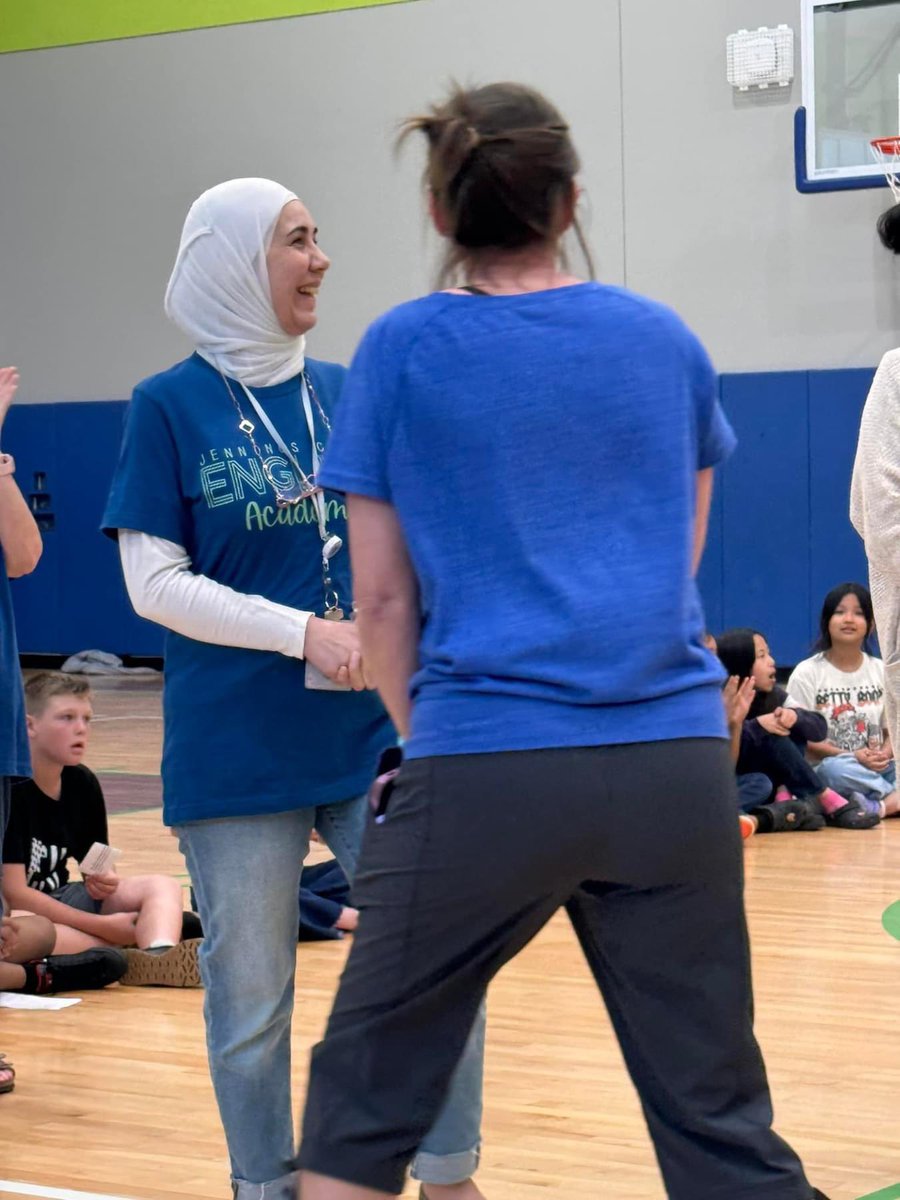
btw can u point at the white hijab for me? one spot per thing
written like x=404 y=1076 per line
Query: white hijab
x=219 y=292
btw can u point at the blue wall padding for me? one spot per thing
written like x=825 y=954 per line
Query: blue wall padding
x=711 y=577
x=76 y=599
x=836 y=400
x=779 y=534
x=765 y=493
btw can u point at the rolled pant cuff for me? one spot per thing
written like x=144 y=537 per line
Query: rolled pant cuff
x=445 y=1168
x=284 y=1188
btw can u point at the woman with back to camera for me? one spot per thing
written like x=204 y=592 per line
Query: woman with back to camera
x=875 y=500
x=528 y=460
x=225 y=541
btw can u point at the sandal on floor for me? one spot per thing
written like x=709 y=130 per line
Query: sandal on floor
x=6 y=1066
x=852 y=816
x=789 y=816
x=809 y=817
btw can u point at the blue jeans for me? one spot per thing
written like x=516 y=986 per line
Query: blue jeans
x=753 y=790
x=783 y=760
x=246 y=875
x=846 y=774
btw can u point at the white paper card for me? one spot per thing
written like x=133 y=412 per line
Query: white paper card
x=99 y=859
x=23 y=1000
x=317 y=681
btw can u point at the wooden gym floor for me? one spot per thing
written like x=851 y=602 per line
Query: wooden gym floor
x=113 y=1097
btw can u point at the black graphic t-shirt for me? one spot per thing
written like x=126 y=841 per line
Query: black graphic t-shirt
x=44 y=833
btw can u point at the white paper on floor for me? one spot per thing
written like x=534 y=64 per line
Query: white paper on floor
x=23 y=1000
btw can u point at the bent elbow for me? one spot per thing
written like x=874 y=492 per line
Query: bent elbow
x=16 y=897
x=148 y=599
x=24 y=560
x=384 y=608
x=143 y=605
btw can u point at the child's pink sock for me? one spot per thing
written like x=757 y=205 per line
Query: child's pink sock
x=831 y=802
x=782 y=795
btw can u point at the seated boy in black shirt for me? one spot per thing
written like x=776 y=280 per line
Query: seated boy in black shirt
x=28 y=964
x=59 y=813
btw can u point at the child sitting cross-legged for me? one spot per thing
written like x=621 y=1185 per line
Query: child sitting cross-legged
x=844 y=682
x=773 y=739
x=28 y=965
x=59 y=814
x=28 y=962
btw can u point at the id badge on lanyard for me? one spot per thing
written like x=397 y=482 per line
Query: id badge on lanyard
x=307 y=489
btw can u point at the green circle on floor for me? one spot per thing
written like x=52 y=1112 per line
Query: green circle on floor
x=890 y=919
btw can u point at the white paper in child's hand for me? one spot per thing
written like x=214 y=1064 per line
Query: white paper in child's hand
x=99 y=859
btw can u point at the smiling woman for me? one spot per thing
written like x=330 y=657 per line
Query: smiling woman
x=270 y=728
x=296 y=266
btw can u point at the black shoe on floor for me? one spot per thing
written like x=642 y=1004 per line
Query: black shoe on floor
x=80 y=972
x=788 y=816
x=190 y=926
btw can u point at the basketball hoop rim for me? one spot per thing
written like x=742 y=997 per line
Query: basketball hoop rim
x=886 y=152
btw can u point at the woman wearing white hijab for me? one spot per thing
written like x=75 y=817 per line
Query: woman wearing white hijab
x=270 y=729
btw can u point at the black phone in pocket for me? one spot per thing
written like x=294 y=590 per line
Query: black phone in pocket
x=379 y=794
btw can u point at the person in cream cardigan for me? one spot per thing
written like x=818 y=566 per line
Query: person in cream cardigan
x=875 y=514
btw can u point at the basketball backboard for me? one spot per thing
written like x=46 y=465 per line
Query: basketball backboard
x=851 y=91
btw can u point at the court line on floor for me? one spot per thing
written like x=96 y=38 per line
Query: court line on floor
x=31 y=1189
x=133 y=812
x=128 y=717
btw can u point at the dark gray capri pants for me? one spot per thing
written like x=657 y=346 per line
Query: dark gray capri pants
x=641 y=845
x=77 y=896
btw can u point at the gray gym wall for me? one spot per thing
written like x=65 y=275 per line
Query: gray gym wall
x=690 y=192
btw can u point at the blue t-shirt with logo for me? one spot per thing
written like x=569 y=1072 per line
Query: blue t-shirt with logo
x=14 y=756
x=541 y=451
x=242 y=734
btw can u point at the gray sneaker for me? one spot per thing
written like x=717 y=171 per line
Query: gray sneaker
x=176 y=967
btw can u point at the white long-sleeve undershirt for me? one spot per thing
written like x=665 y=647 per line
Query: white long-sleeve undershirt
x=163 y=588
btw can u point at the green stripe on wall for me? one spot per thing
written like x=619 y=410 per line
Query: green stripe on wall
x=39 y=24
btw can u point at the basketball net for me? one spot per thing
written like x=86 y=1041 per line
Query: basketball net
x=886 y=152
